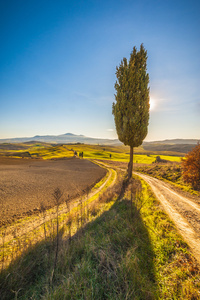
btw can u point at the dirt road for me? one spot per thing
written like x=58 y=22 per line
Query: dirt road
x=183 y=211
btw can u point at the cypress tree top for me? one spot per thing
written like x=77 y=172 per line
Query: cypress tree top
x=131 y=110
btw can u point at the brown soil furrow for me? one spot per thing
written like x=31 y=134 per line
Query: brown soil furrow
x=25 y=186
x=25 y=226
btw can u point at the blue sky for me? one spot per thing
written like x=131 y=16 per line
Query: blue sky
x=58 y=61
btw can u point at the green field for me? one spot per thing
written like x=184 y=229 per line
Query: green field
x=39 y=150
x=120 y=153
x=117 y=153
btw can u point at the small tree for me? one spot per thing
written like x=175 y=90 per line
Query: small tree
x=191 y=167
x=131 y=110
x=57 y=194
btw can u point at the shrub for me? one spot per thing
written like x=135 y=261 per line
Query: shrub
x=191 y=167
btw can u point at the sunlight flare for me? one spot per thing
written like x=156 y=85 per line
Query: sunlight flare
x=152 y=104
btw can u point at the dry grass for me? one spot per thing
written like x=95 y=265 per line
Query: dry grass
x=127 y=248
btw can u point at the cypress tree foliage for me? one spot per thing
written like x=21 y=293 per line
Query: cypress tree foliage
x=131 y=109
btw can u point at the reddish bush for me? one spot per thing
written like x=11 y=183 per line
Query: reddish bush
x=191 y=167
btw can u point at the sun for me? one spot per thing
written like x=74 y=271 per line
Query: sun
x=152 y=104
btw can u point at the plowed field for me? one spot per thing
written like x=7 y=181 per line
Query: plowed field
x=25 y=184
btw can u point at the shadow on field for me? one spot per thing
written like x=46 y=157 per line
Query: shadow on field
x=110 y=258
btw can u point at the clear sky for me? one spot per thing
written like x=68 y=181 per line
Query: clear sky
x=58 y=61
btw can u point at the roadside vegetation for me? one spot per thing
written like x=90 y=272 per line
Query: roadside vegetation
x=171 y=173
x=123 y=246
x=191 y=168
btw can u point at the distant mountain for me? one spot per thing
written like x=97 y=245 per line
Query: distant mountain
x=63 y=138
x=71 y=134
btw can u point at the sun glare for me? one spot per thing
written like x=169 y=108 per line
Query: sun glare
x=152 y=104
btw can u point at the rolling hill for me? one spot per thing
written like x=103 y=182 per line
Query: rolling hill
x=174 y=145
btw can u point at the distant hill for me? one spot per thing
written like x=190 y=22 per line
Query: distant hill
x=175 y=142
x=175 y=145
x=67 y=138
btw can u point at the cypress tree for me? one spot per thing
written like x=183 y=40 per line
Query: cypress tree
x=131 y=109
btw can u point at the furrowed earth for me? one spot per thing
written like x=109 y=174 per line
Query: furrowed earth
x=26 y=184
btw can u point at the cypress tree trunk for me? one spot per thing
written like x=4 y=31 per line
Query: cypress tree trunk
x=130 y=164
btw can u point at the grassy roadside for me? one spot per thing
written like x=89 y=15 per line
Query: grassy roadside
x=128 y=250
x=177 y=272
x=171 y=173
